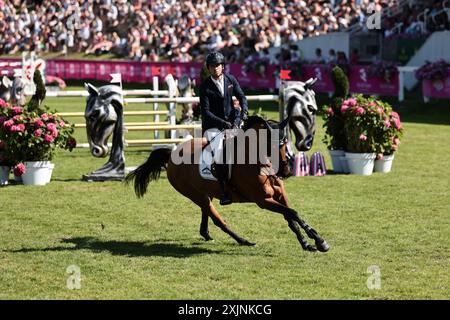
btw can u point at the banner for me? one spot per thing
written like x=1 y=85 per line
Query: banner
x=321 y=72
x=266 y=78
x=361 y=83
x=436 y=88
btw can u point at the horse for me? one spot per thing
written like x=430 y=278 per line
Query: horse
x=251 y=182
x=104 y=117
x=13 y=91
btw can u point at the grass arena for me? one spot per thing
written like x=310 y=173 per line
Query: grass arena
x=393 y=226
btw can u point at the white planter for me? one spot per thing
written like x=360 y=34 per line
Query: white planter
x=336 y=160
x=4 y=175
x=37 y=173
x=344 y=164
x=384 y=165
x=360 y=163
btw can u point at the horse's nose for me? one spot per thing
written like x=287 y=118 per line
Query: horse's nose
x=308 y=142
x=98 y=151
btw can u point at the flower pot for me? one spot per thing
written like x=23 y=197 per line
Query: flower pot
x=384 y=165
x=360 y=163
x=37 y=173
x=4 y=175
x=336 y=160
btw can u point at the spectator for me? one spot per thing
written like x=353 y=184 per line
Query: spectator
x=318 y=58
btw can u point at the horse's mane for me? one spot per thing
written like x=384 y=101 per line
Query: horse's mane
x=255 y=120
x=269 y=124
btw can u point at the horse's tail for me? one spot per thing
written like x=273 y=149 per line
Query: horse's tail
x=148 y=171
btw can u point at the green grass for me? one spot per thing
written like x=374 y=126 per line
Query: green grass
x=150 y=248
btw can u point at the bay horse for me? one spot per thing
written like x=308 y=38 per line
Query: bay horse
x=251 y=182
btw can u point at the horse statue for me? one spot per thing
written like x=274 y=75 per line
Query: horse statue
x=13 y=91
x=104 y=117
x=5 y=88
x=257 y=182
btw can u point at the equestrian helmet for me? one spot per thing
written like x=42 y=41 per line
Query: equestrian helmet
x=214 y=58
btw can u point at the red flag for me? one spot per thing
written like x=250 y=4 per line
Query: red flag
x=284 y=74
x=156 y=71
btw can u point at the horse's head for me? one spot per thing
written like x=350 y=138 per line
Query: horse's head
x=102 y=108
x=5 y=88
x=18 y=91
x=184 y=86
x=302 y=110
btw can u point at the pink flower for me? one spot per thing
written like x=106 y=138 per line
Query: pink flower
x=344 y=108
x=387 y=123
x=397 y=123
x=17 y=110
x=396 y=141
x=362 y=137
x=19 y=169
x=3 y=104
x=352 y=102
x=359 y=110
x=44 y=116
x=38 y=122
x=329 y=111
x=395 y=115
x=7 y=124
x=394 y=147
x=38 y=133
x=20 y=127
x=62 y=124
x=48 y=138
x=380 y=110
x=53 y=130
x=380 y=156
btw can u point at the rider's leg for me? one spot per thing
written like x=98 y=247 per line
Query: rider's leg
x=222 y=177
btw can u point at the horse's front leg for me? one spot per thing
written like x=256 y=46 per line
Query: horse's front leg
x=204 y=232
x=293 y=219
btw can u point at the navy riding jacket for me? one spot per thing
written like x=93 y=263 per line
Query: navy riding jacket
x=216 y=109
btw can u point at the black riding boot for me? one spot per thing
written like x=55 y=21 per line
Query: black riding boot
x=222 y=177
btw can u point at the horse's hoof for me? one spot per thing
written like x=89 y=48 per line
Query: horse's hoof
x=247 y=243
x=310 y=248
x=322 y=246
x=207 y=237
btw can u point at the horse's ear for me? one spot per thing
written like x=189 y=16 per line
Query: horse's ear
x=91 y=89
x=309 y=83
x=285 y=122
x=6 y=82
x=117 y=104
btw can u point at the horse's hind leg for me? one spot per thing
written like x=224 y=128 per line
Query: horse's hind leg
x=218 y=221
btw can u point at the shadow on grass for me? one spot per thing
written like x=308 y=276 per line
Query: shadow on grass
x=124 y=248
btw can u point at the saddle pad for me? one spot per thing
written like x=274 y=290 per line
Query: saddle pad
x=211 y=152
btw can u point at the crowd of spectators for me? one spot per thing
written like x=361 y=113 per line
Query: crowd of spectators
x=170 y=30
x=418 y=17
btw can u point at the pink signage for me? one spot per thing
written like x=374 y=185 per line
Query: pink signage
x=436 y=88
x=143 y=72
x=360 y=82
x=324 y=83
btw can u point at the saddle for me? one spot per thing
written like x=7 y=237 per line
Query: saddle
x=211 y=154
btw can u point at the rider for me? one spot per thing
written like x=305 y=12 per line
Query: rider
x=218 y=109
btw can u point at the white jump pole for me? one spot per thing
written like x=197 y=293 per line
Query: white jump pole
x=155 y=104
x=172 y=105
